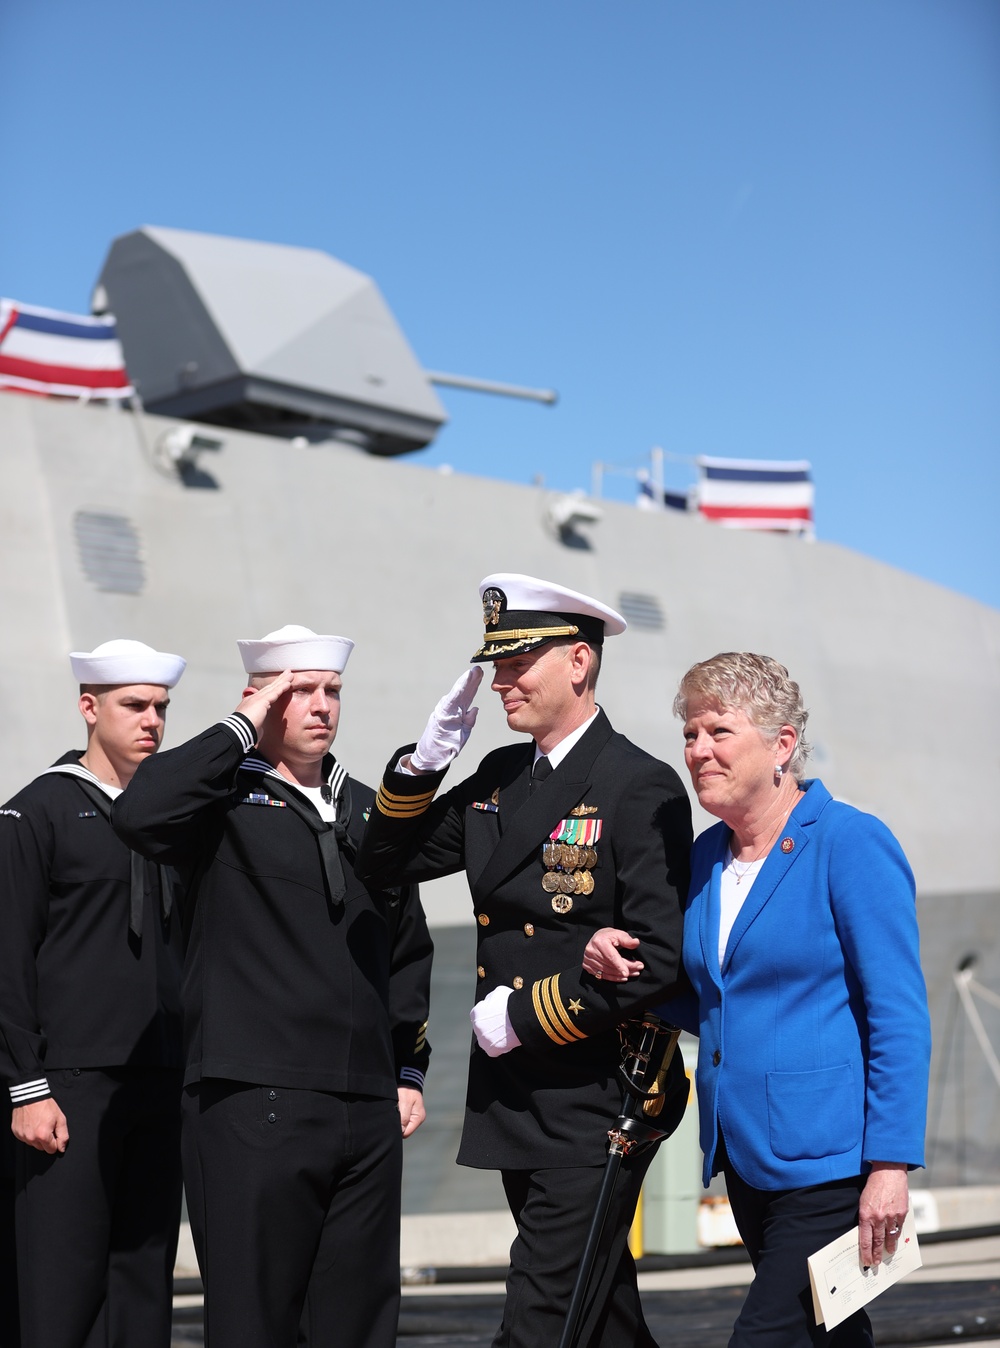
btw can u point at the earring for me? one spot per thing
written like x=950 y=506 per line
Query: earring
x=778 y=770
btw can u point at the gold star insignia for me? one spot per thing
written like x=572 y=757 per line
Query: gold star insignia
x=575 y=1006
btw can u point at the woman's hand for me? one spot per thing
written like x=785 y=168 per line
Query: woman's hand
x=884 y=1203
x=602 y=960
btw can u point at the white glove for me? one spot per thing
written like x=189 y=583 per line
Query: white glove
x=450 y=725
x=491 y=1023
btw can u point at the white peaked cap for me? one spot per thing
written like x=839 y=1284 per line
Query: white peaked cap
x=522 y=613
x=528 y=592
x=295 y=647
x=119 y=662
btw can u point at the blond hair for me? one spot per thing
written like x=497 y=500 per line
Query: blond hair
x=758 y=686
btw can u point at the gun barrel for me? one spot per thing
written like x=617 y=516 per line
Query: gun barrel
x=537 y=395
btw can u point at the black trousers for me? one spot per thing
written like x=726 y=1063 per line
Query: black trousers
x=10 y=1331
x=780 y=1229
x=553 y=1210
x=97 y=1225
x=294 y=1202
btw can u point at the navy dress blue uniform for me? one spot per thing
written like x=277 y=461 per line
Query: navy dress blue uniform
x=90 y=958
x=540 y=1113
x=305 y=1004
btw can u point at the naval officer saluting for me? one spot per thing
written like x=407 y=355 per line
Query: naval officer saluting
x=554 y=835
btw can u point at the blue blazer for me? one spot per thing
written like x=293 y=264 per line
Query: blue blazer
x=815 y=1035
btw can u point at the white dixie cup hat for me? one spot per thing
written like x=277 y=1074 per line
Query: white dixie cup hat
x=123 y=661
x=294 y=647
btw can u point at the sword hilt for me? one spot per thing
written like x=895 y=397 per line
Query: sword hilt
x=648 y=1047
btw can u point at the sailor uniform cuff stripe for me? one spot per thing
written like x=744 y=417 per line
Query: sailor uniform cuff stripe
x=28 y=1091
x=411 y=1076
x=243 y=728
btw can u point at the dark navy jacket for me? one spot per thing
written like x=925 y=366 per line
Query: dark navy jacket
x=297 y=974
x=551 y=1101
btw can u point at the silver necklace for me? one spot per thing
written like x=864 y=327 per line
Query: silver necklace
x=749 y=865
x=735 y=866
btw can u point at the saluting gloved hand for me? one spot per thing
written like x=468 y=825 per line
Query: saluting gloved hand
x=491 y=1023
x=450 y=725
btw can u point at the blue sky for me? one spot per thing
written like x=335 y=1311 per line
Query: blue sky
x=747 y=227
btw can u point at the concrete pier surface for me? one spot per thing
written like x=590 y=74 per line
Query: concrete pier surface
x=691 y=1300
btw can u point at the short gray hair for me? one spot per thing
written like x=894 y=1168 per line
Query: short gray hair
x=757 y=685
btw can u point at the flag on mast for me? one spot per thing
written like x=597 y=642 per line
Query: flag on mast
x=50 y=353
x=769 y=494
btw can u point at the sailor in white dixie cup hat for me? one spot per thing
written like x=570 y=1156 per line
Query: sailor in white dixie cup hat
x=306 y=998
x=90 y=957
x=556 y=835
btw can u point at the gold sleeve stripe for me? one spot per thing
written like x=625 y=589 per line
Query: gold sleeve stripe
x=404 y=800
x=396 y=812
x=565 y=1023
x=421 y=1038
x=553 y=1029
x=402 y=807
x=551 y=1012
x=536 y=1001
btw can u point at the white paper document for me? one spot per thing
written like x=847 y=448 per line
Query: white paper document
x=840 y=1285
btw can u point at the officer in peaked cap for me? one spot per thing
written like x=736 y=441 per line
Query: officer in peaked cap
x=90 y=958
x=530 y=612
x=305 y=1002
x=573 y=830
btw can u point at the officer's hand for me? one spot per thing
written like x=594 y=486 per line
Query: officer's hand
x=450 y=725
x=257 y=702
x=602 y=960
x=491 y=1023
x=411 y=1109
x=41 y=1125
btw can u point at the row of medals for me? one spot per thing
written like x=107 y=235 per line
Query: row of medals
x=568 y=872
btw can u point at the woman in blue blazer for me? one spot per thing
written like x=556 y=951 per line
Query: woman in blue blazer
x=801 y=945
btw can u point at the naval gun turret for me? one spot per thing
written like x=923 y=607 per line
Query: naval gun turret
x=265 y=337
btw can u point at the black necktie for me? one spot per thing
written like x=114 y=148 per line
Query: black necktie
x=541 y=770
